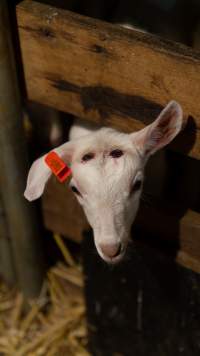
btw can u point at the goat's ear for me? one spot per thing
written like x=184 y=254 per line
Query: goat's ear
x=40 y=173
x=161 y=132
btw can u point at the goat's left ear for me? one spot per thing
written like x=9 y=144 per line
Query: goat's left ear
x=40 y=173
x=161 y=132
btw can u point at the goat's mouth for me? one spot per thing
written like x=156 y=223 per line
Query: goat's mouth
x=115 y=258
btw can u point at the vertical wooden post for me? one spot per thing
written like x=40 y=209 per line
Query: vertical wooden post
x=6 y=258
x=22 y=223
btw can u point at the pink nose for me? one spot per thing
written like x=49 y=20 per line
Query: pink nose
x=111 y=250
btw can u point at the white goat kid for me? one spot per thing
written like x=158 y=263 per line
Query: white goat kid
x=107 y=175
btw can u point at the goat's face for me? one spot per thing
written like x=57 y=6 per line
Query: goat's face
x=107 y=177
x=107 y=181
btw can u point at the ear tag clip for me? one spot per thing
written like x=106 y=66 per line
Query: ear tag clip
x=57 y=166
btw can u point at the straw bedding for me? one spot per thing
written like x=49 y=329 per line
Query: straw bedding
x=54 y=324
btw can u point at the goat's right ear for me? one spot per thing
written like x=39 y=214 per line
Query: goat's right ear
x=40 y=173
x=161 y=132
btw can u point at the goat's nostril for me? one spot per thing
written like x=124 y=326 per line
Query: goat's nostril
x=111 y=250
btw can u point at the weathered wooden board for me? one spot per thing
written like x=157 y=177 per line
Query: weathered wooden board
x=63 y=214
x=107 y=74
x=61 y=211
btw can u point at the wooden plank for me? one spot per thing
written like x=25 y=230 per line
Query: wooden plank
x=166 y=229
x=62 y=214
x=107 y=74
x=162 y=227
x=7 y=268
x=146 y=306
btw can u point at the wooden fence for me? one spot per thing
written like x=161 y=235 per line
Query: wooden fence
x=115 y=77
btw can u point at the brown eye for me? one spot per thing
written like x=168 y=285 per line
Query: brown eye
x=136 y=186
x=75 y=190
x=116 y=153
x=88 y=157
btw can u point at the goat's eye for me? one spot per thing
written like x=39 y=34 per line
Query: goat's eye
x=136 y=186
x=75 y=190
x=88 y=157
x=116 y=153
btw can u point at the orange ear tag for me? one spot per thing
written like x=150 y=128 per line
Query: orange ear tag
x=57 y=166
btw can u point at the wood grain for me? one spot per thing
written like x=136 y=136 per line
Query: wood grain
x=106 y=74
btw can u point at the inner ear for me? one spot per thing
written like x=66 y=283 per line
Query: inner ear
x=165 y=128
x=162 y=131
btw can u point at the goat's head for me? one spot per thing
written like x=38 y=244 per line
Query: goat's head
x=107 y=176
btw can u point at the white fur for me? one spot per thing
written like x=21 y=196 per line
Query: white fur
x=105 y=182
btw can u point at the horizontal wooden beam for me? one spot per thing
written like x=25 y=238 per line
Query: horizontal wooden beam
x=107 y=74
